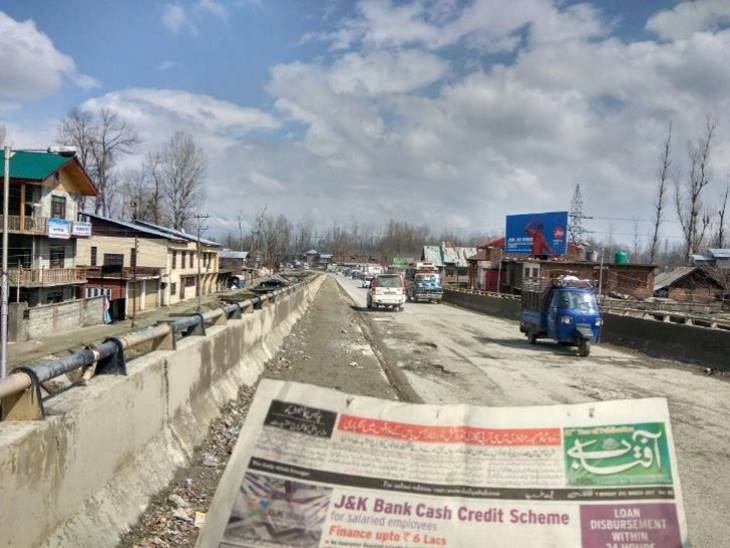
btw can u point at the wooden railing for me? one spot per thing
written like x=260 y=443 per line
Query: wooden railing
x=44 y=276
x=29 y=224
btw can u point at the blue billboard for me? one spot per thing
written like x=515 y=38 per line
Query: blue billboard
x=537 y=234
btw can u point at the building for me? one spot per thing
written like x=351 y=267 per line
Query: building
x=713 y=258
x=451 y=261
x=636 y=280
x=688 y=284
x=484 y=266
x=46 y=191
x=233 y=269
x=159 y=269
x=315 y=259
x=182 y=266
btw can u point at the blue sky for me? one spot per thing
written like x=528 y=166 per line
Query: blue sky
x=446 y=112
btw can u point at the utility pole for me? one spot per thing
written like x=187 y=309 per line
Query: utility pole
x=200 y=229
x=134 y=265
x=4 y=306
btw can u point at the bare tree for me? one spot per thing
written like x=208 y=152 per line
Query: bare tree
x=182 y=166
x=665 y=163
x=100 y=142
x=156 y=187
x=720 y=240
x=79 y=129
x=688 y=200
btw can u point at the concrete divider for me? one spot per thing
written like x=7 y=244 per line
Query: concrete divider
x=494 y=306
x=85 y=473
x=696 y=345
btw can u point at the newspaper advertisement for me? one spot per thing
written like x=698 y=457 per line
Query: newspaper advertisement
x=317 y=467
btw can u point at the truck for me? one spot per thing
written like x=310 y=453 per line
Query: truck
x=423 y=283
x=563 y=309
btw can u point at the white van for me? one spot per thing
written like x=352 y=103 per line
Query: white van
x=387 y=290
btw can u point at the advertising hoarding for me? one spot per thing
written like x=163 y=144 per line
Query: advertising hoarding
x=81 y=228
x=537 y=234
x=59 y=228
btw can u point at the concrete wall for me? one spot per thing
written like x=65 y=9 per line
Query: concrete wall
x=702 y=346
x=85 y=473
x=494 y=306
x=699 y=345
x=49 y=319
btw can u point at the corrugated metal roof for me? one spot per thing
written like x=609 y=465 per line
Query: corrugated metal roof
x=34 y=166
x=432 y=253
x=179 y=233
x=665 y=279
x=720 y=253
x=230 y=254
x=137 y=227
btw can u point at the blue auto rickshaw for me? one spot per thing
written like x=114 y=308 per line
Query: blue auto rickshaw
x=566 y=311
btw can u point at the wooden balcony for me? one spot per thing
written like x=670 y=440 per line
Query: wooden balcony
x=40 y=277
x=25 y=225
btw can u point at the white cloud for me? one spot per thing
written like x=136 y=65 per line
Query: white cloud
x=167 y=64
x=687 y=18
x=175 y=18
x=32 y=66
x=214 y=7
x=386 y=72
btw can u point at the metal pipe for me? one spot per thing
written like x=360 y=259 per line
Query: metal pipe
x=5 y=286
x=14 y=383
x=17 y=382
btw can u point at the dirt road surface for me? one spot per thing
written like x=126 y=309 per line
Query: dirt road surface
x=452 y=355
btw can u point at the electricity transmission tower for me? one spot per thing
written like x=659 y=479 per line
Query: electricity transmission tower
x=576 y=230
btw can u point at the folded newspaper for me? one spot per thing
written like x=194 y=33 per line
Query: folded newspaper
x=317 y=467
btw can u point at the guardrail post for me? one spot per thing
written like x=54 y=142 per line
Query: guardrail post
x=198 y=328
x=220 y=320
x=26 y=405
x=167 y=341
x=256 y=302
x=236 y=313
x=114 y=364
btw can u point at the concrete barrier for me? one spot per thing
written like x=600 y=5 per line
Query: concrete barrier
x=494 y=306
x=696 y=345
x=85 y=473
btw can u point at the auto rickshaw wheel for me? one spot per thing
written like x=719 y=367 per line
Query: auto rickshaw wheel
x=584 y=348
x=531 y=337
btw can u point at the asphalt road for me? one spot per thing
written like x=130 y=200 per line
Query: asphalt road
x=451 y=355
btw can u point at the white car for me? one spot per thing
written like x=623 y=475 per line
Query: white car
x=387 y=290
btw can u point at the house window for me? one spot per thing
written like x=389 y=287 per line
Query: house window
x=97 y=291
x=174 y=261
x=189 y=281
x=115 y=259
x=92 y=259
x=57 y=256
x=173 y=288
x=133 y=257
x=182 y=259
x=58 y=207
x=192 y=257
x=54 y=297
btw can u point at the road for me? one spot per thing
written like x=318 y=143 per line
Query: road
x=450 y=355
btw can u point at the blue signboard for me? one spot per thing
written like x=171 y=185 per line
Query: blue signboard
x=537 y=234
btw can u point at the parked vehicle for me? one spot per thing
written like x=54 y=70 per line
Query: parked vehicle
x=367 y=277
x=355 y=274
x=564 y=310
x=423 y=283
x=386 y=290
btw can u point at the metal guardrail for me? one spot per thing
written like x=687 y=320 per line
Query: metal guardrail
x=20 y=391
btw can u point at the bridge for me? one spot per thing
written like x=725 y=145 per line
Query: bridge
x=129 y=450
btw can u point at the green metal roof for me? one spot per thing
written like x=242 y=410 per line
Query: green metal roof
x=34 y=166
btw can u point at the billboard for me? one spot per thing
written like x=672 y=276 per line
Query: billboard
x=537 y=234
x=59 y=228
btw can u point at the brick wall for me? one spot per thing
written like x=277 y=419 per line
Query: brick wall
x=48 y=319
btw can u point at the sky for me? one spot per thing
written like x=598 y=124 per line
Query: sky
x=450 y=113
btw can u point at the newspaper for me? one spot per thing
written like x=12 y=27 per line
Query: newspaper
x=317 y=467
